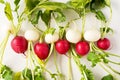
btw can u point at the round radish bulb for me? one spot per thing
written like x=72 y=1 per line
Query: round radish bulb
x=92 y=35
x=103 y=43
x=73 y=35
x=19 y=44
x=41 y=50
x=82 y=48
x=62 y=46
x=51 y=38
x=31 y=35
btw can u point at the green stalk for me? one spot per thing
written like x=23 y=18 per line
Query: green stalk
x=60 y=76
x=14 y=29
x=70 y=75
x=3 y=46
x=50 y=53
x=83 y=23
x=106 y=24
x=108 y=70
x=30 y=58
x=105 y=69
x=36 y=28
x=18 y=27
x=115 y=71
x=113 y=62
x=55 y=62
x=115 y=55
x=79 y=65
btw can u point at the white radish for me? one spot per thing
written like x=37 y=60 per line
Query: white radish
x=73 y=35
x=31 y=35
x=92 y=35
x=51 y=38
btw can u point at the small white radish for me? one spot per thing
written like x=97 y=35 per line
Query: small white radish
x=31 y=35
x=73 y=35
x=92 y=35
x=51 y=38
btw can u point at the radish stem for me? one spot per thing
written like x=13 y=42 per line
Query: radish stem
x=50 y=53
x=69 y=67
x=83 y=23
x=3 y=46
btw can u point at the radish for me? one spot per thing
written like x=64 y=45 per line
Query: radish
x=73 y=35
x=62 y=46
x=82 y=48
x=31 y=35
x=19 y=44
x=41 y=50
x=103 y=43
x=51 y=38
x=92 y=35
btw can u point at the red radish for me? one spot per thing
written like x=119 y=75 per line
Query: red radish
x=103 y=43
x=62 y=46
x=41 y=50
x=19 y=44
x=82 y=48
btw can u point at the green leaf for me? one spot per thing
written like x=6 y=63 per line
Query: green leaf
x=88 y=73
x=59 y=16
x=38 y=74
x=107 y=29
x=46 y=16
x=34 y=17
x=8 y=11
x=97 y=4
x=108 y=77
x=2 y=1
x=16 y=2
x=107 y=2
x=100 y=16
x=17 y=76
x=7 y=73
x=79 y=5
x=53 y=5
x=30 y=4
x=27 y=74
x=61 y=32
x=50 y=30
x=94 y=58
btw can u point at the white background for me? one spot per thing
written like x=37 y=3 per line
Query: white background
x=17 y=62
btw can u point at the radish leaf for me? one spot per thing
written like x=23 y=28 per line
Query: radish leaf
x=100 y=16
x=34 y=17
x=30 y=4
x=16 y=2
x=7 y=73
x=38 y=74
x=107 y=29
x=2 y=1
x=17 y=76
x=107 y=2
x=59 y=16
x=94 y=58
x=53 y=5
x=46 y=16
x=108 y=77
x=8 y=11
x=27 y=74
